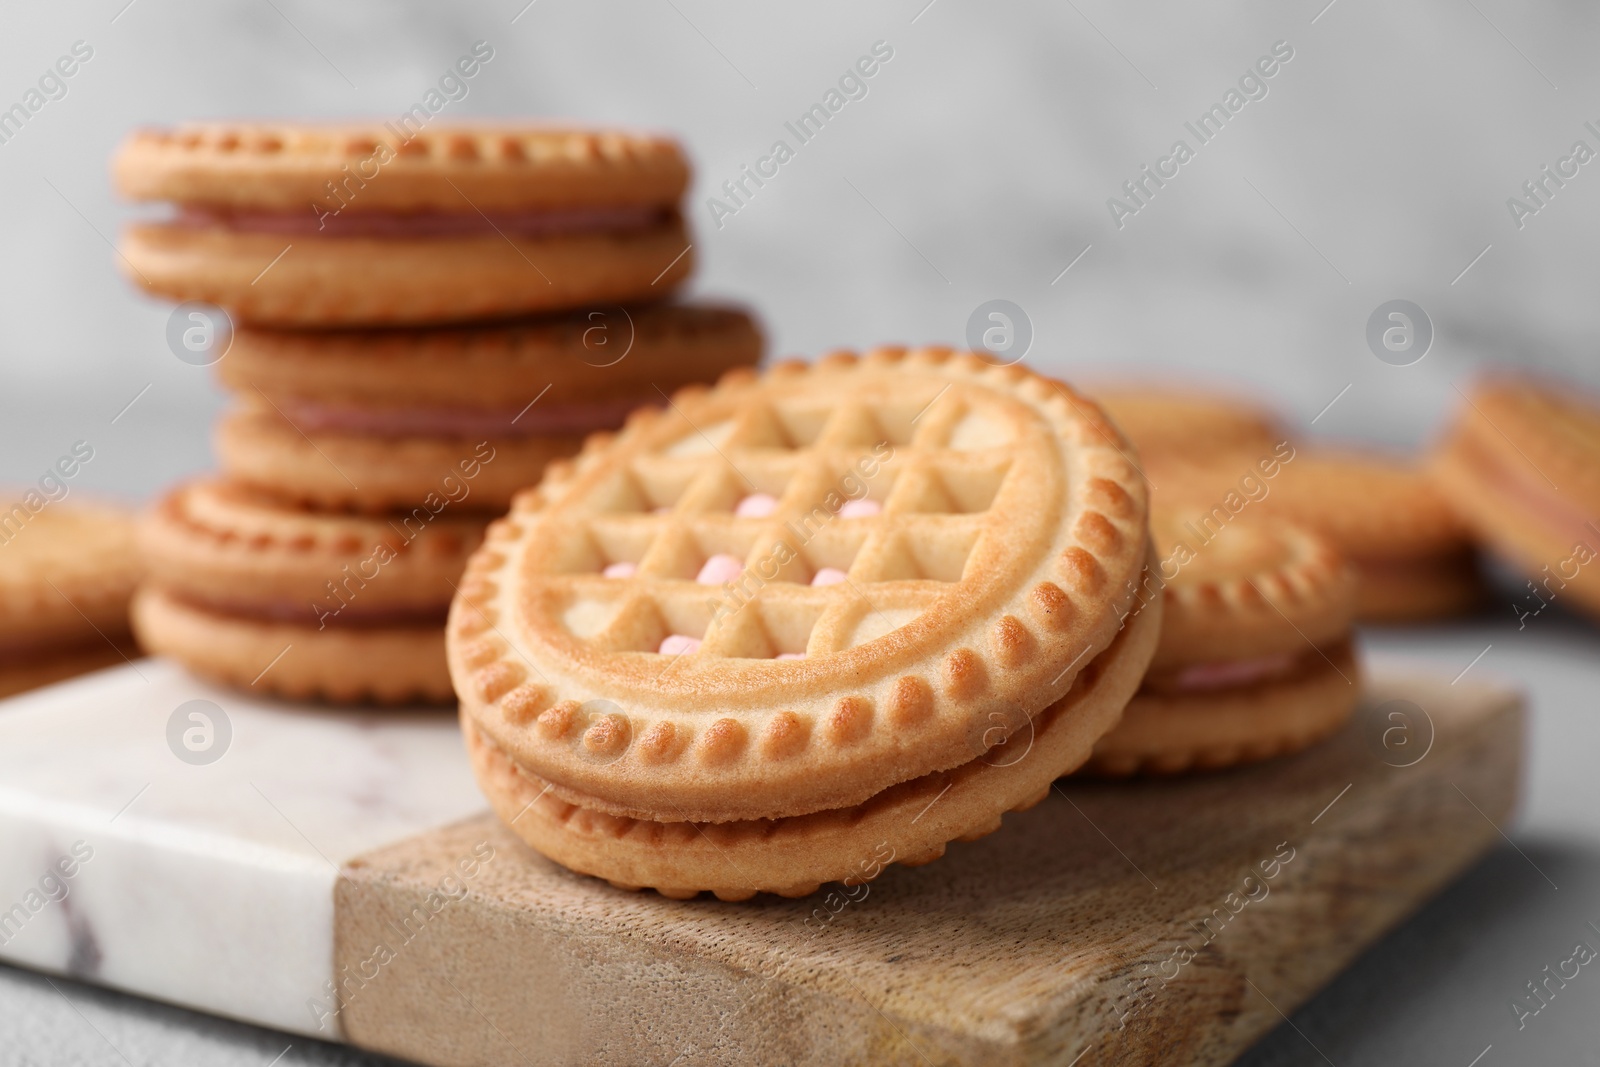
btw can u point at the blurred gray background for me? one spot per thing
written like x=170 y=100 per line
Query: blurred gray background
x=977 y=167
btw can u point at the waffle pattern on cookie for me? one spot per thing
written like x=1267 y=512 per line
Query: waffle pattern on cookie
x=947 y=543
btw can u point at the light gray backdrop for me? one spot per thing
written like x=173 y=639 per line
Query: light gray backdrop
x=977 y=166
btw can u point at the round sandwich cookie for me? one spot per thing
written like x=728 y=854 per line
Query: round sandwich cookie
x=375 y=419
x=67 y=571
x=308 y=225
x=1522 y=466
x=1255 y=657
x=792 y=609
x=1414 y=558
x=362 y=471
x=1163 y=421
x=262 y=594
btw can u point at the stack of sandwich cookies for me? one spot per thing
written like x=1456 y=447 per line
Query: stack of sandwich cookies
x=1414 y=558
x=797 y=625
x=255 y=592
x=323 y=225
x=66 y=576
x=378 y=419
x=1522 y=466
x=1255 y=657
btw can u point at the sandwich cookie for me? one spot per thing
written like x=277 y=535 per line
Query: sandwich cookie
x=1255 y=657
x=1163 y=422
x=1414 y=558
x=1521 y=465
x=348 y=225
x=889 y=595
x=67 y=571
x=261 y=594
x=378 y=419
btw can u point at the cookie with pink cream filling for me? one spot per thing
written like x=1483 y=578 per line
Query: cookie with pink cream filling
x=783 y=616
x=1255 y=657
x=1521 y=464
x=366 y=224
x=374 y=419
x=236 y=577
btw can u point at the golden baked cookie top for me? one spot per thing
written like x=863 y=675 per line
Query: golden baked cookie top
x=1254 y=588
x=786 y=592
x=283 y=166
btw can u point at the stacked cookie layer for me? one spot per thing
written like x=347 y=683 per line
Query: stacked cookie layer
x=796 y=627
x=392 y=390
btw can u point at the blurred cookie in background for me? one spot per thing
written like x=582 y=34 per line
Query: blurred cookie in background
x=1521 y=465
x=67 y=572
x=1413 y=556
x=1167 y=421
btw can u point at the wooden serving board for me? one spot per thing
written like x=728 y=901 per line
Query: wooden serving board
x=1153 y=922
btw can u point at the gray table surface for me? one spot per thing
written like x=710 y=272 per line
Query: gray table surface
x=1438 y=990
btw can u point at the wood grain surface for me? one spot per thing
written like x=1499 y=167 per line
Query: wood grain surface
x=1116 y=923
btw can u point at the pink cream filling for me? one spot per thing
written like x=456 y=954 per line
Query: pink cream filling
x=320 y=221
x=545 y=420
x=1204 y=677
x=678 y=645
